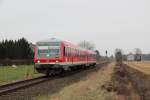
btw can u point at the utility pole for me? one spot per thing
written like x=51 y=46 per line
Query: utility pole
x=106 y=55
x=106 y=52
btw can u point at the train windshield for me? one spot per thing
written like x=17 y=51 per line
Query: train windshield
x=48 y=50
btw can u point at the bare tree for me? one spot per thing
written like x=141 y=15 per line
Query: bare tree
x=118 y=56
x=86 y=45
x=138 y=51
x=138 y=54
x=98 y=56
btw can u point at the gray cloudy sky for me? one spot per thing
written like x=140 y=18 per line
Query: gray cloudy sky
x=109 y=24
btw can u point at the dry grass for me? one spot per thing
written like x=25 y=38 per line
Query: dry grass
x=143 y=66
x=140 y=81
x=88 y=88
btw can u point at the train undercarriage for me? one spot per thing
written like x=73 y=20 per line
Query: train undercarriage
x=54 y=69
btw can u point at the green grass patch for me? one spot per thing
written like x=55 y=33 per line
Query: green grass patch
x=21 y=72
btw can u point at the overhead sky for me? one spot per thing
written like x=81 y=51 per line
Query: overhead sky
x=109 y=24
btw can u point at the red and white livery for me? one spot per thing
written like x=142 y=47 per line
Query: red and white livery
x=55 y=55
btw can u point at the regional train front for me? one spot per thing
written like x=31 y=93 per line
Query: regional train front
x=48 y=56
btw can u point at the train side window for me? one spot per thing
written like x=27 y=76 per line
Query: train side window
x=70 y=51
x=76 y=53
x=64 y=51
x=67 y=51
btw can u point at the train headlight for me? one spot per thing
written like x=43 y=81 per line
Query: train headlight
x=57 y=61
x=38 y=61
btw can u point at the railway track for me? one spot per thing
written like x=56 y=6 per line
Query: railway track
x=4 y=89
x=8 y=88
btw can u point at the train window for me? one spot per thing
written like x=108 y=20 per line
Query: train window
x=76 y=53
x=68 y=51
x=64 y=51
x=72 y=53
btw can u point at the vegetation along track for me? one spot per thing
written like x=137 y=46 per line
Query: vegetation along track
x=4 y=89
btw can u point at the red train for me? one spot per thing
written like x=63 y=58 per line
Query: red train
x=54 y=56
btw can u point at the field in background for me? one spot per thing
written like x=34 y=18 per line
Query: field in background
x=143 y=66
x=10 y=74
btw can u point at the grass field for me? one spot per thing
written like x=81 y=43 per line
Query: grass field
x=21 y=72
x=143 y=66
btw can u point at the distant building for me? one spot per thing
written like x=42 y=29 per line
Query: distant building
x=145 y=57
x=130 y=57
x=137 y=57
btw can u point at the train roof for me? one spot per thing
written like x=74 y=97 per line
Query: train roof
x=69 y=44
x=80 y=48
x=49 y=40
